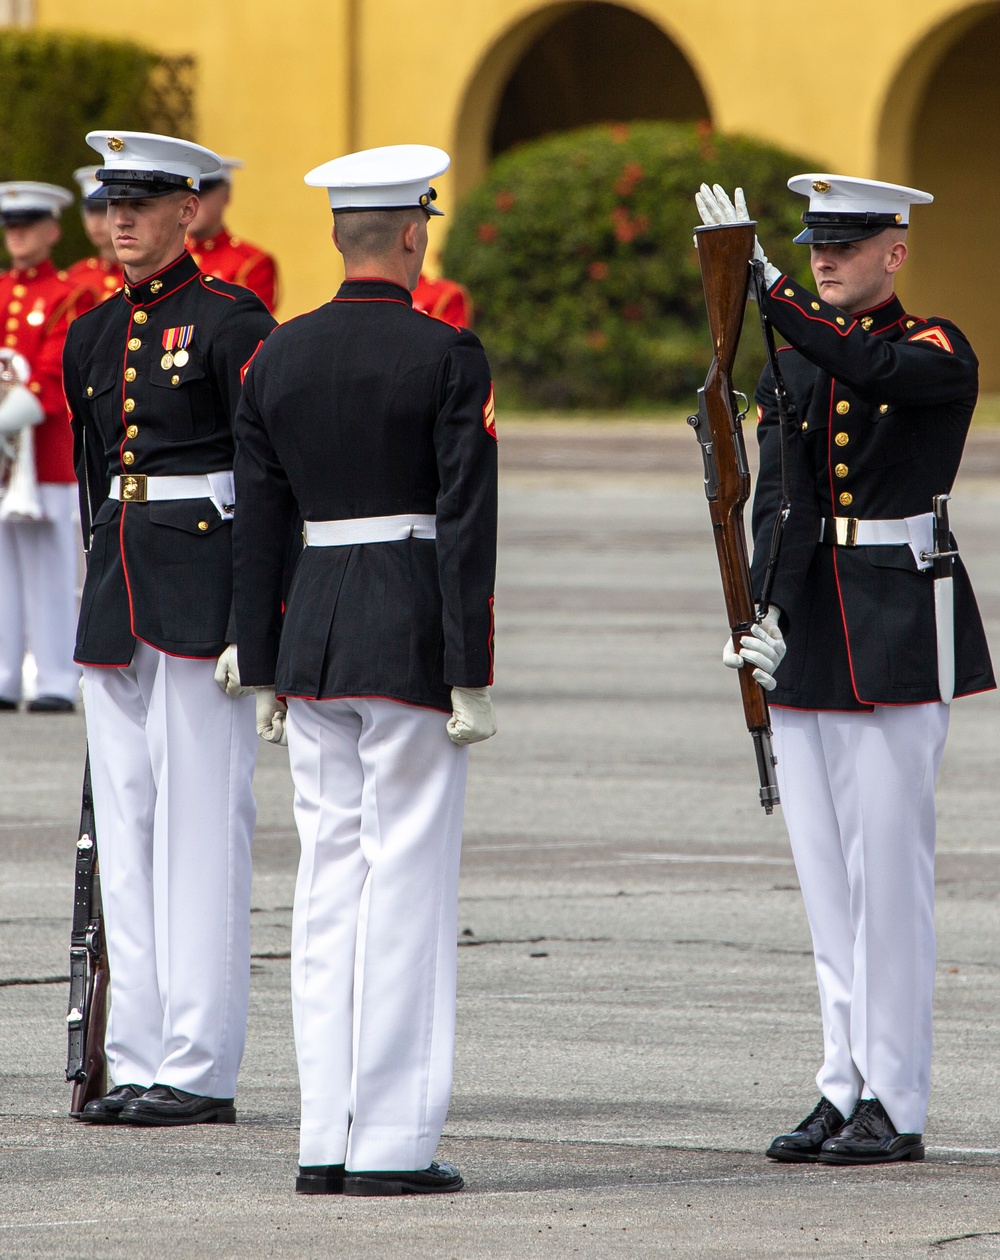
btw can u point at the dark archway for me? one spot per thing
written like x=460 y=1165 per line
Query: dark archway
x=949 y=148
x=596 y=63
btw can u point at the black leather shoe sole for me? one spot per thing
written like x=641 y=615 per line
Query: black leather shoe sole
x=8 y=706
x=320 y=1180
x=51 y=704
x=150 y=1119
x=395 y=1184
x=913 y=1152
x=785 y=1155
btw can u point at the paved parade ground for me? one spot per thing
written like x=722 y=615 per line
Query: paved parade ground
x=638 y=1014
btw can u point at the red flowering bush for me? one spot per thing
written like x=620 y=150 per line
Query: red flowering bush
x=577 y=250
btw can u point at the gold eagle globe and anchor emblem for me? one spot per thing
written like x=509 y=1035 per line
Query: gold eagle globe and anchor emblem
x=115 y=144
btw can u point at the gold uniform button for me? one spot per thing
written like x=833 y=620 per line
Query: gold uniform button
x=841 y=439
x=90 y=391
x=130 y=404
x=843 y=407
x=134 y=343
x=19 y=290
x=175 y=379
x=35 y=387
x=909 y=322
x=841 y=321
x=203 y=525
x=805 y=425
x=130 y=375
x=789 y=293
x=132 y=431
x=140 y=317
x=10 y=340
x=846 y=499
x=814 y=305
x=883 y=409
x=128 y=458
x=12 y=324
x=841 y=470
x=14 y=308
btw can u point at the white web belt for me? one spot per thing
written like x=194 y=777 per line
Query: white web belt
x=368 y=529
x=915 y=532
x=138 y=488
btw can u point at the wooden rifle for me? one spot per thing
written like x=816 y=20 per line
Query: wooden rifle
x=724 y=253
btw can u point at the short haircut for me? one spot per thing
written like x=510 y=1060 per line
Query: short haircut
x=372 y=233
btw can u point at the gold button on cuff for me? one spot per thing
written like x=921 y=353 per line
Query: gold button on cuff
x=132 y=431
x=846 y=499
x=90 y=391
x=175 y=379
x=842 y=439
x=130 y=404
x=130 y=375
x=840 y=320
x=140 y=317
x=814 y=305
x=883 y=409
x=128 y=458
x=203 y=525
x=840 y=470
x=789 y=293
x=843 y=407
x=134 y=343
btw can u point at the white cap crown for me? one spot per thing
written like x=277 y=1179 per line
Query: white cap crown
x=394 y=177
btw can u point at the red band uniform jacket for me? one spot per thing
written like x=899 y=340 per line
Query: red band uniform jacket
x=231 y=258
x=157 y=571
x=38 y=306
x=884 y=401
x=366 y=407
x=101 y=277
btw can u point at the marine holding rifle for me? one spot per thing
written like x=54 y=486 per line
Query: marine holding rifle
x=881 y=629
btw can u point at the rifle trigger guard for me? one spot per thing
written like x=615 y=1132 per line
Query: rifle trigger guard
x=738 y=394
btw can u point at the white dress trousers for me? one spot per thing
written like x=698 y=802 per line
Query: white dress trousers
x=39 y=562
x=172 y=760
x=857 y=792
x=379 y=798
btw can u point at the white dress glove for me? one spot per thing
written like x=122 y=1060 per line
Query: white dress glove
x=472 y=717
x=20 y=409
x=715 y=208
x=764 y=648
x=227 y=675
x=271 y=716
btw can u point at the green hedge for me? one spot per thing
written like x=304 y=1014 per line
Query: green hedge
x=53 y=90
x=578 y=252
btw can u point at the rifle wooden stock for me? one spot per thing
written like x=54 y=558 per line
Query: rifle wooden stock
x=86 y=1064
x=724 y=254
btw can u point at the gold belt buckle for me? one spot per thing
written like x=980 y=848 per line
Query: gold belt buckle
x=133 y=488
x=847 y=530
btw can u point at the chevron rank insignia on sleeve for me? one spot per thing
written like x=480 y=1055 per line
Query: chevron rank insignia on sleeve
x=936 y=336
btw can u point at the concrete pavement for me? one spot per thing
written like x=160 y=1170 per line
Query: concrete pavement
x=638 y=1012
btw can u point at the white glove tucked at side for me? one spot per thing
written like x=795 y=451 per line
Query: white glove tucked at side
x=715 y=209
x=271 y=716
x=20 y=409
x=764 y=648
x=227 y=675
x=472 y=717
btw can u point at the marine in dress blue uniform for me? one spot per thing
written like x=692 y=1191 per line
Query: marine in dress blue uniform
x=152 y=379
x=374 y=424
x=883 y=400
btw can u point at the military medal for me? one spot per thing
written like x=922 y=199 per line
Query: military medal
x=175 y=343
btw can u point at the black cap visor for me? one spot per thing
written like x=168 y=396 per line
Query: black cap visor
x=123 y=185
x=841 y=229
x=20 y=218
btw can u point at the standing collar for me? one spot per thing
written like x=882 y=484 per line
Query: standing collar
x=372 y=289
x=878 y=318
x=162 y=283
x=41 y=272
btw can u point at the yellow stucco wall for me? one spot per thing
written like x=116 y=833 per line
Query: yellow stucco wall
x=287 y=86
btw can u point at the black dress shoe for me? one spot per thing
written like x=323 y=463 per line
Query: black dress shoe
x=108 y=1110
x=320 y=1179
x=869 y=1137
x=803 y=1144
x=440 y=1178
x=51 y=704
x=164 y=1105
x=8 y=706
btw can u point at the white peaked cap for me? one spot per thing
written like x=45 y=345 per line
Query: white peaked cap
x=842 y=208
x=394 y=177
x=29 y=198
x=226 y=167
x=154 y=161
x=86 y=177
